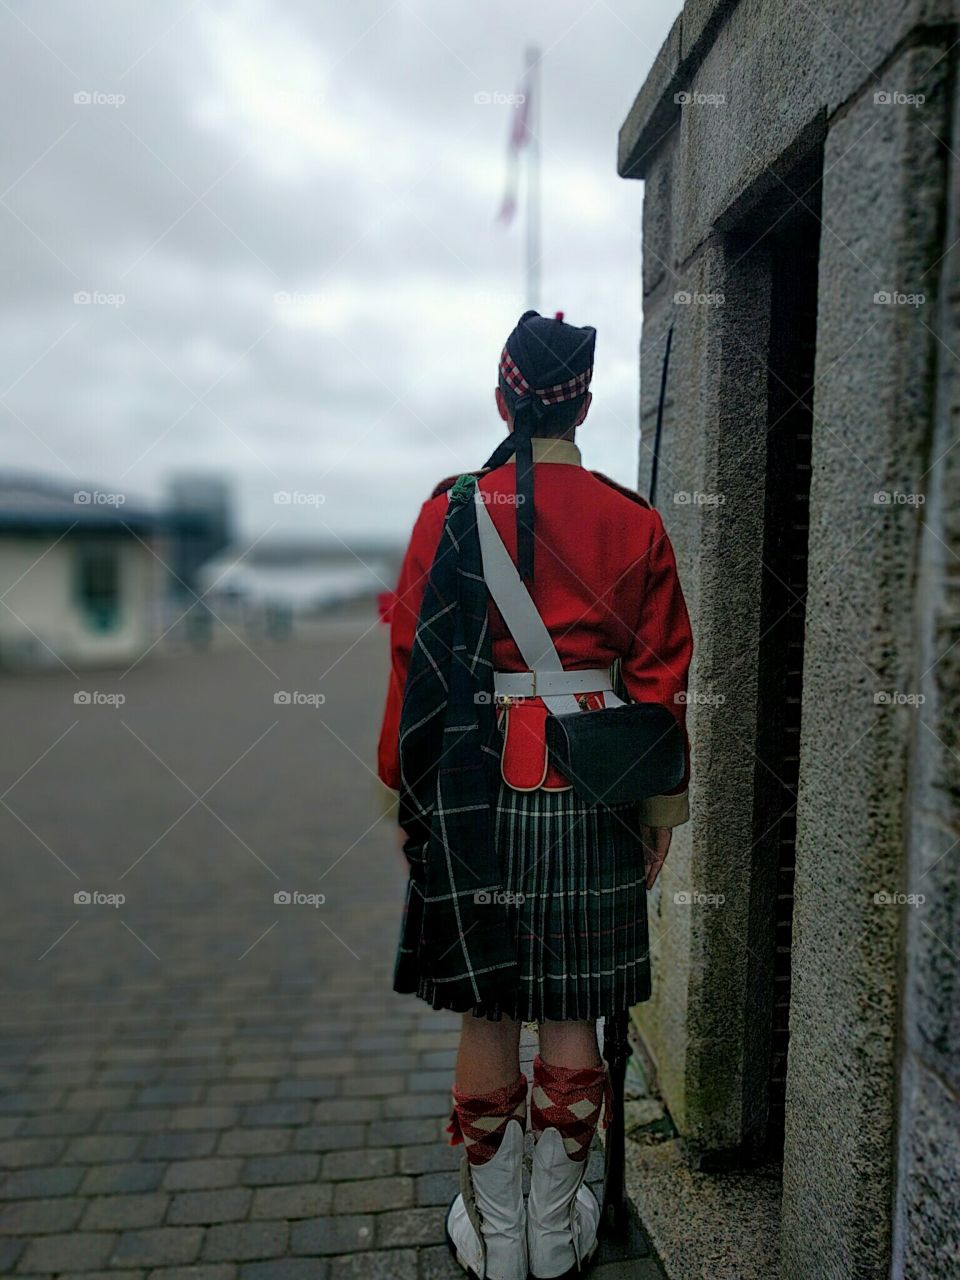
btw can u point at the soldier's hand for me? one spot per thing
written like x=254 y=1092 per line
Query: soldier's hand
x=656 y=846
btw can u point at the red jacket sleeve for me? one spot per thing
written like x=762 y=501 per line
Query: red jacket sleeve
x=656 y=668
x=411 y=585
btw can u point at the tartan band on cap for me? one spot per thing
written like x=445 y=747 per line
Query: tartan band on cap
x=560 y=391
x=568 y=390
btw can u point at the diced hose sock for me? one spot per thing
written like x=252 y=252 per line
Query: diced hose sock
x=570 y=1100
x=480 y=1120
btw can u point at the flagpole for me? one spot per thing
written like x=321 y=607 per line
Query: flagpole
x=532 y=81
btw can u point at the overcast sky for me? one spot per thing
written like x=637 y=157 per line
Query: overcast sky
x=235 y=152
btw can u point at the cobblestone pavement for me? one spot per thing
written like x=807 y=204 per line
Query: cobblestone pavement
x=200 y=1080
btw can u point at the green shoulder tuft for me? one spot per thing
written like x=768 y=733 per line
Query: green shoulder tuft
x=463 y=490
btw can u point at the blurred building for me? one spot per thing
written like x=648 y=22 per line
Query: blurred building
x=275 y=583
x=78 y=577
x=801 y=227
x=201 y=524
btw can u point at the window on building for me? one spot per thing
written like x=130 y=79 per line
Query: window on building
x=98 y=586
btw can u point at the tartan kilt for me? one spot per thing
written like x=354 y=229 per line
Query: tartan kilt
x=582 y=936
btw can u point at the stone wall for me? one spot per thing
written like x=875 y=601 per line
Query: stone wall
x=882 y=202
x=874 y=1008
x=927 y=1218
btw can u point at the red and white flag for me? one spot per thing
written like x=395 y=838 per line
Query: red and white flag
x=520 y=137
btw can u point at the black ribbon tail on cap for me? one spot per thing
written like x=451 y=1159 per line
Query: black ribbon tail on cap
x=522 y=427
x=502 y=453
x=525 y=509
x=518 y=443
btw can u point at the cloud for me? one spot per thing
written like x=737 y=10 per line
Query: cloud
x=296 y=203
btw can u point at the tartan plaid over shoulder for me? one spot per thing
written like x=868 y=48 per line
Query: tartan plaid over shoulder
x=458 y=932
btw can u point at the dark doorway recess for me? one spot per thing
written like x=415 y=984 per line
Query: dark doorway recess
x=790 y=240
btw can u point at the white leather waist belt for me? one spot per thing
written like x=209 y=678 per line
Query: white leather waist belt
x=538 y=684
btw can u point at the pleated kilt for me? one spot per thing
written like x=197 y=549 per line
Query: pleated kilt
x=582 y=936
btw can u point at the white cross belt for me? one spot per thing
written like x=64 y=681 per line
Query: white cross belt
x=546 y=678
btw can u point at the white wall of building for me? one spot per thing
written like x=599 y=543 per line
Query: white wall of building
x=42 y=621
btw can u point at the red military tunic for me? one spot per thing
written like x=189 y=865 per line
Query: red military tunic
x=606 y=587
